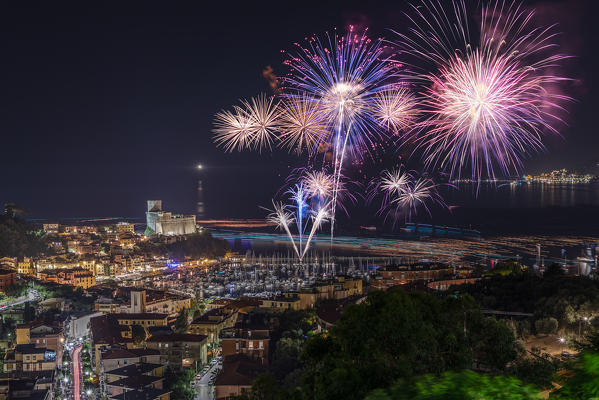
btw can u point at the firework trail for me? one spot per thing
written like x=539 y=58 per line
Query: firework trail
x=299 y=200
x=485 y=103
x=318 y=218
x=282 y=218
x=319 y=185
x=252 y=126
x=343 y=75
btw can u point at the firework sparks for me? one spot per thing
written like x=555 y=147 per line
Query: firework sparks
x=320 y=186
x=232 y=130
x=486 y=102
x=418 y=194
x=395 y=182
x=282 y=219
x=318 y=218
x=403 y=194
x=253 y=126
x=343 y=75
x=395 y=109
x=302 y=124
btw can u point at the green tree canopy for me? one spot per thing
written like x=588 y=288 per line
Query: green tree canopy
x=464 y=385
x=398 y=334
x=138 y=333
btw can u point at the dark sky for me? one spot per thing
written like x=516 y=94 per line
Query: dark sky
x=102 y=108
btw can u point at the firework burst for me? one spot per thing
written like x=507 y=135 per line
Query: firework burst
x=302 y=124
x=343 y=75
x=320 y=187
x=395 y=110
x=402 y=194
x=486 y=103
x=253 y=126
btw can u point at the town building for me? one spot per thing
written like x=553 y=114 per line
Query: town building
x=213 y=322
x=7 y=278
x=249 y=337
x=160 y=222
x=28 y=357
x=181 y=350
x=236 y=377
x=50 y=227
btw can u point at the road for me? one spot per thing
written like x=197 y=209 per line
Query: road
x=31 y=296
x=203 y=386
x=76 y=372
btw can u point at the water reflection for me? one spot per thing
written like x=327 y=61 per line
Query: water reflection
x=524 y=195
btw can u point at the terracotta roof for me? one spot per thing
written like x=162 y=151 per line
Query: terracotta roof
x=238 y=370
x=146 y=394
x=151 y=316
x=134 y=369
x=105 y=329
x=145 y=352
x=114 y=354
x=136 y=381
x=177 y=337
x=29 y=349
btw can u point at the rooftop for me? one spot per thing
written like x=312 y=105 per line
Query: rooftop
x=150 y=316
x=238 y=370
x=146 y=394
x=136 y=381
x=178 y=337
x=134 y=369
x=105 y=329
x=114 y=354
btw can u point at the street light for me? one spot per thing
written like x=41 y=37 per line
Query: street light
x=585 y=319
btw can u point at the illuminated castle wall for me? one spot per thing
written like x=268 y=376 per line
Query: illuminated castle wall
x=165 y=223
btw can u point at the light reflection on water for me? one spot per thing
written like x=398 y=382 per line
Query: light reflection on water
x=524 y=195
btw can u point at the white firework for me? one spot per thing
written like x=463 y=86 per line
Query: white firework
x=395 y=109
x=303 y=125
x=253 y=126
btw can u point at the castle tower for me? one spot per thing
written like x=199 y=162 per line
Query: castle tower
x=138 y=301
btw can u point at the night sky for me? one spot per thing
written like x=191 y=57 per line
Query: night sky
x=103 y=108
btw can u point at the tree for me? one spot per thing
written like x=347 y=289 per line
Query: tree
x=537 y=369
x=28 y=313
x=590 y=342
x=546 y=325
x=493 y=342
x=138 y=333
x=178 y=381
x=18 y=238
x=465 y=385
x=181 y=321
x=395 y=335
x=554 y=271
x=584 y=382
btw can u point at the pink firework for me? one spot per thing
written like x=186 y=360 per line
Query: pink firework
x=486 y=104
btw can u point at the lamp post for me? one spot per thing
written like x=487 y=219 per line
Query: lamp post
x=585 y=319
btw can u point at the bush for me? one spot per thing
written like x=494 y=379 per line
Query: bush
x=546 y=325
